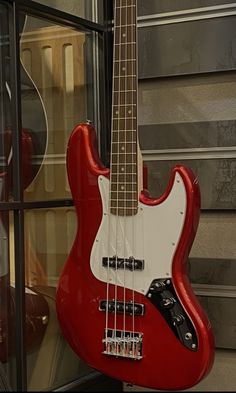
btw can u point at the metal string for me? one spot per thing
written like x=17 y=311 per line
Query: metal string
x=110 y=229
x=134 y=186
x=117 y=183
x=125 y=176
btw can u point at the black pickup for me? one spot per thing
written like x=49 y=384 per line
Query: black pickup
x=123 y=263
x=121 y=307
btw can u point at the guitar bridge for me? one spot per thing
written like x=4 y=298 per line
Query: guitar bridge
x=124 y=344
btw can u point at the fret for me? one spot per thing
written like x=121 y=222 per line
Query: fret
x=122 y=152
x=127 y=174
x=126 y=43
x=130 y=199
x=123 y=204
x=124 y=183
x=124 y=212
x=124 y=124
x=125 y=83
x=121 y=143
x=120 y=168
x=129 y=25
x=126 y=6
x=124 y=91
x=126 y=59
x=123 y=201
x=125 y=16
x=125 y=52
x=122 y=158
x=124 y=110
x=114 y=206
x=129 y=158
x=123 y=178
x=125 y=76
x=124 y=131
x=121 y=191
x=132 y=177
x=126 y=118
x=123 y=97
x=124 y=135
x=122 y=3
x=124 y=187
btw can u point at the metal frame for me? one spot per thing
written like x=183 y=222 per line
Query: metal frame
x=186 y=15
x=196 y=153
x=18 y=205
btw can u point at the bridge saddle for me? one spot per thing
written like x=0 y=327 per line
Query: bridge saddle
x=125 y=344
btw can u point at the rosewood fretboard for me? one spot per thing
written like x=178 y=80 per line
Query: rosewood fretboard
x=124 y=167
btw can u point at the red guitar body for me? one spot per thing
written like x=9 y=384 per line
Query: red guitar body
x=166 y=363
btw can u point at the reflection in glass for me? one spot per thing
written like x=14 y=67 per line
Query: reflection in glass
x=81 y=8
x=49 y=234
x=7 y=290
x=5 y=116
x=54 y=93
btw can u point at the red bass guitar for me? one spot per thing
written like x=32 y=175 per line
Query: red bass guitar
x=124 y=299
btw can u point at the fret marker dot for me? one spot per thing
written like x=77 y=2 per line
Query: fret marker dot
x=117 y=112
x=122 y=187
x=129 y=112
x=122 y=148
x=122 y=169
x=123 y=68
x=123 y=35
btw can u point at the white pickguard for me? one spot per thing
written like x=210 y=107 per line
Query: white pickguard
x=151 y=235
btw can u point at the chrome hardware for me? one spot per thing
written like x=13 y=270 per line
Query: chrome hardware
x=123 y=344
x=188 y=336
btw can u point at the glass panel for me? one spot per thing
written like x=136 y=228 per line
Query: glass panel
x=182 y=48
x=197 y=116
x=7 y=293
x=222 y=316
x=153 y=6
x=82 y=8
x=7 y=303
x=5 y=115
x=188 y=135
x=216 y=179
x=188 y=99
x=49 y=234
x=56 y=65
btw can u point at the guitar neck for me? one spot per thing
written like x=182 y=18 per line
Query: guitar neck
x=124 y=145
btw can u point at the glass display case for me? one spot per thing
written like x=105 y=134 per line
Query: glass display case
x=55 y=72
x=51 y=78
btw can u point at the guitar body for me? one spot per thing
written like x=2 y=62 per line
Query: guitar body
x=169 y=353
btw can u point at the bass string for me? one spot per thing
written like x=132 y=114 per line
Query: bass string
x=120 y=222
x=134 y=128
x=124 y=190
x=110 y=228
x=117 y=175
